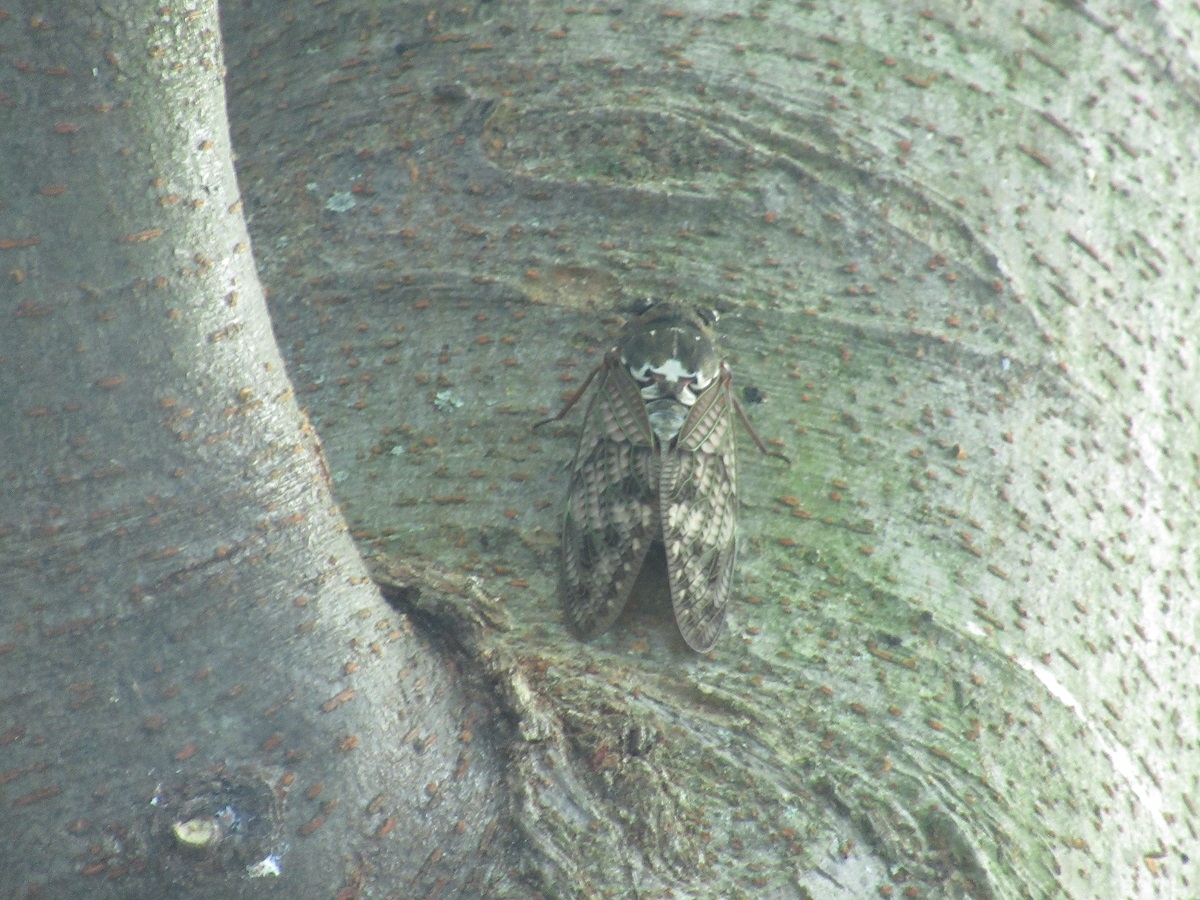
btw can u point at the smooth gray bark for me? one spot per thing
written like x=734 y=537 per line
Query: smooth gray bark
x=954 y=250
x=188 y=637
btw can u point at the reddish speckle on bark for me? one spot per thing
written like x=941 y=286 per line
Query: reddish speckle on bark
x=13 y=734
x=386 y=827
x=18 y=243
x=312 y=825
x=37 y=796
x=140 y=237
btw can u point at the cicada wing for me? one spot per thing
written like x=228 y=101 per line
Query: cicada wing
x=612 y=509
x=698 y=508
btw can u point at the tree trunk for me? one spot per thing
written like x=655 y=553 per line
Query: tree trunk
x=200 y=683
x=954 y=253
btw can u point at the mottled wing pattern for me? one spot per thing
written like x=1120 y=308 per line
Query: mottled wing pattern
x=698 y=508
x=612 y=514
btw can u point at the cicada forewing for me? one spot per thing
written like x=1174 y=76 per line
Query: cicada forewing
x=697 y=498
x=612 y=503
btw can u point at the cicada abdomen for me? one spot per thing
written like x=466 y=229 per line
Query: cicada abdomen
x=656 y=462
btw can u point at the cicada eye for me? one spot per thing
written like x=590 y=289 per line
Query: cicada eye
x=643 y=306
x=709 y=317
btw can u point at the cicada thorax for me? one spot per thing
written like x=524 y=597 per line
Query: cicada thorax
x=655 y=463
x=670 y=354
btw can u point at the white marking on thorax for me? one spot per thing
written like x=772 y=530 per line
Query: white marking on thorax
x=671 y=370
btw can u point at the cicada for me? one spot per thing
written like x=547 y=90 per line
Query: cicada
x=656 y=463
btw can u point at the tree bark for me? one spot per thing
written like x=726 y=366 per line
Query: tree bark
x=200 y=683
x=955 y=253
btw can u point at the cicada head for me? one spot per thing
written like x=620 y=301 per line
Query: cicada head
x=670 y=352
